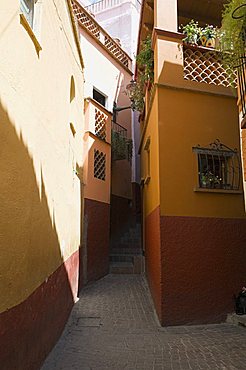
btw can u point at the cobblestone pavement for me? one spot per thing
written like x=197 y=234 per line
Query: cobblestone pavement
x=113 y=326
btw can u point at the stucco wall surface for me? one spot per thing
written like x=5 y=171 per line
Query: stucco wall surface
x=150 y=161
x=202 y=268
x=110 y=79
x=39 y=189
x=198 y=119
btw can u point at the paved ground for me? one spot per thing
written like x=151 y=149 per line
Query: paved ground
x=113 y=326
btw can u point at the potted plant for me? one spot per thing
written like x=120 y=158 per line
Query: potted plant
x=196 y=35
x=208 y=36
x=192 y=32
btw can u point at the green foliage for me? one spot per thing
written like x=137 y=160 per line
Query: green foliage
x=121 y=146
x=196 y=35
x=145 y=63
x=209 y=180
x=192 y=32
x=231 y=34
x=137 y=96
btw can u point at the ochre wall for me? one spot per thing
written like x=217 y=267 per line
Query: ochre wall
x=201 y=237
x=151 y=191
x=203 y=234
x=198 y=119
x=151 y=205
x=39 y=320
x=40 y=193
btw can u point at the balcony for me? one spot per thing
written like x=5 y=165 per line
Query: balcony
x=90 y=25
x=205 y=65
x=121 y=145
x=97 y=151
x=97 y=120
x=102 y=5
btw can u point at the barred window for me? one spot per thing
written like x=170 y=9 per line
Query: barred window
x=218 y=167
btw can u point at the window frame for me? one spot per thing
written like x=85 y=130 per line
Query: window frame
x=218 y=168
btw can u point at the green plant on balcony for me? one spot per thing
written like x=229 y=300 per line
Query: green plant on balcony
x=145 y=63
x=232 y=32
x=208 y=36
x=196 y=35
x=192 y=32
x=121 y=146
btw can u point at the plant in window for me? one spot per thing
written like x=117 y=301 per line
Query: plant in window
x=209 y=180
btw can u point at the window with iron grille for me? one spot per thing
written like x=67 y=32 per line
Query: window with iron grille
x=218 y=167
x=99 y=165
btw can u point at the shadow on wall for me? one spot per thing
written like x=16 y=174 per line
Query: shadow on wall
x=35 y=303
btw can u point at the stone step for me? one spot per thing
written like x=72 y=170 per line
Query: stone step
x=135 y=266
x=121 y=258
x=121 y=268
x=236 y=319
x=126 y=250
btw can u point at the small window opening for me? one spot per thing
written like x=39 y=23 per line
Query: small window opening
x=100 y=98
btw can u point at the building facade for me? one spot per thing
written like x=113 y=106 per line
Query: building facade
x=107 y=175
x=194 y=220
x=41 y=164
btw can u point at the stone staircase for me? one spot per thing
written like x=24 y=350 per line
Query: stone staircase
x=127 y=257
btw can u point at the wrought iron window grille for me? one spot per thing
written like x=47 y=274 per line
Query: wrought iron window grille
x=218 y=166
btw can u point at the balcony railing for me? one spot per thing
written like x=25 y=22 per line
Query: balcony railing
x=97 y=120
x=89 y=23
x=102 y=5
x=205 y=65
x=120 y=144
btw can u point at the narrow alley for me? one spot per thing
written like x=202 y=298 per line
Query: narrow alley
x=113 y=326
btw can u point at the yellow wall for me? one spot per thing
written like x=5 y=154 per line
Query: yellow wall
x=40 y=193
x=151 y=190
x=186 y=119
x=187 y=113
